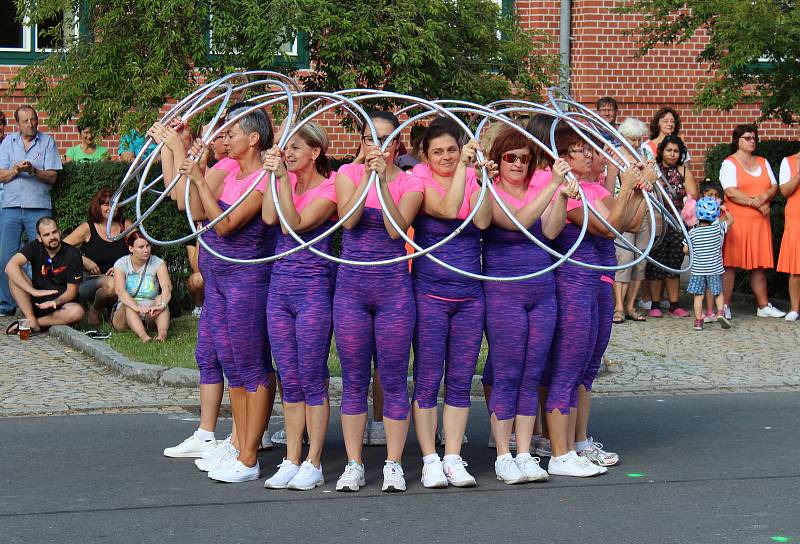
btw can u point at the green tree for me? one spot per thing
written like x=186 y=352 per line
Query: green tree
x=134 y=55
x=753 y=48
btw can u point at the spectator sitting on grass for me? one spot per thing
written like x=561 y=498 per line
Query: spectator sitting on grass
x=47 y=297
x=99 y=253
x=143 y=286
x=87 y=150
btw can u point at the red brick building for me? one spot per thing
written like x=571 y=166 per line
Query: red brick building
x=601 y=63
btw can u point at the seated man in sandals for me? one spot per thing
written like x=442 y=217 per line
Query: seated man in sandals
x=49 y=296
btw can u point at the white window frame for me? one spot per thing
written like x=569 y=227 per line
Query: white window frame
x=26 y=40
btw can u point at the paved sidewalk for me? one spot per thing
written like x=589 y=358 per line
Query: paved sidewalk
x=662 y=356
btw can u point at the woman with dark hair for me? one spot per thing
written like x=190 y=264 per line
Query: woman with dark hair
x=666 y=122
x=576 y=293
x=374 y=305
x=232 y=331
x=680 y=184
x=99 y=253
x=750 y=187
x=87 y=150
x=520 y=314
x=144 y=289
x=450 y=307
x=299 y=306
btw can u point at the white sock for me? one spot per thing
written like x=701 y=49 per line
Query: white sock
x=523 y=456
x=537 y=437
x=504 y=457
x=377 y=424
x=203 y=435
x=432 y=458
x=582 y=445
x=452 y=458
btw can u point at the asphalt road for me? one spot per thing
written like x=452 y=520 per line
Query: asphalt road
x=716 y=468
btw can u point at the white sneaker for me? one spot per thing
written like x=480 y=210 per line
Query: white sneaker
x=307 y=478
x=374 y=434
x=726 y=311
x=529 y=467
x=791 y=316
x=572 y=465
x=280 y=480
x=433 y=476
x=507 y=471
x=456 y=473
x=352 y=479
x=197 y=311
x=266 y=443
x=235 y=472
x=221 y=455
x=769 y=311
x=393 y=478
x=541 y=446
x=597 y=455
x=512 y=444
x=191 y=447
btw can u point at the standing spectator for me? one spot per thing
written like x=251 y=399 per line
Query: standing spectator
x=411 y=158
x=131 y=143
x=749 y=186
x=608 y=109
x=666 y=122
x=789 y=259
x=29 y=165
x=99 y=253
x=627 y=282
x=47 y=297
x=3 y=124
x=680 y=183
x=706 y=240
x=87 y=150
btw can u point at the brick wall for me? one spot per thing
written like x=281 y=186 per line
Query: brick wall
x=603 y=63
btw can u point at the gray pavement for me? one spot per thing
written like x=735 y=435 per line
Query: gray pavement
x=714 y=468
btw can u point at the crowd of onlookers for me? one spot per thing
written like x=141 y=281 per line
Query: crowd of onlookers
x=48 y=277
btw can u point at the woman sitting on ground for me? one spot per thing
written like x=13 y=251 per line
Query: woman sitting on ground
x=142 y=283
x=99 y=253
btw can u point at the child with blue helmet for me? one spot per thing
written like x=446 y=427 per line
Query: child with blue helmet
x=706 y=242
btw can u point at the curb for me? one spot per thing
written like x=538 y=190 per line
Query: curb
x=185 y=377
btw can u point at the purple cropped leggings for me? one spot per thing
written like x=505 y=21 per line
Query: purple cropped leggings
x=605 y=316
x=447 y=342
x=574 y=340
x=374 y=314
x=232 y=332
x=300 y=322
x=519 y=328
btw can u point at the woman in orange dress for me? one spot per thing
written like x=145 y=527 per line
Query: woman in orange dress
x=789 y=259
x=749 y=186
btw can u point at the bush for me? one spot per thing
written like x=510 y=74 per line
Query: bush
x=774 y=151
x=79 y=181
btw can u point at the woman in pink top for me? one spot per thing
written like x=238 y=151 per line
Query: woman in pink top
x=232 y=328
x=300 y=300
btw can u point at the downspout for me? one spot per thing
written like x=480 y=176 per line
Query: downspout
x=564 y=44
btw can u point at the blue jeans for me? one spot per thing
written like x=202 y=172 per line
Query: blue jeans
x=12 y=222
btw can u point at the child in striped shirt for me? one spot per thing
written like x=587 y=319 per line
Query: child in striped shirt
x=707 y=269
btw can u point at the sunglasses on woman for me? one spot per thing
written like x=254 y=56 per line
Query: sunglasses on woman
x=513 y=157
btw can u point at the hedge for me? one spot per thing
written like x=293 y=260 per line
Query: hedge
x=774 y=151
x=79 y=181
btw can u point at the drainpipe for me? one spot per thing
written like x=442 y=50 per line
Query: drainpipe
x=564 y=43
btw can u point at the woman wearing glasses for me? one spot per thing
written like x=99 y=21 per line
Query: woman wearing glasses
x=374 y=305
x=450 y=307
x=750 y=187
x=576 y=287
x=520 y=314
